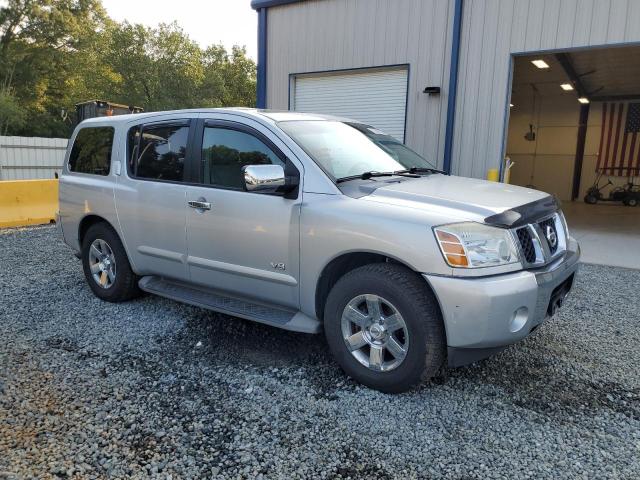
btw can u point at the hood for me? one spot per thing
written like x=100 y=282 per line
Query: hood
x=466 y=195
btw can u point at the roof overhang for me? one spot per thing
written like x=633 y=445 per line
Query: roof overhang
x=258 y=4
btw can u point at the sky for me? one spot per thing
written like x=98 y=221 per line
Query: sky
x=230 y=22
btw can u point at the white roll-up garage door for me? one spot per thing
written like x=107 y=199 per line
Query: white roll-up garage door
x=375 y=97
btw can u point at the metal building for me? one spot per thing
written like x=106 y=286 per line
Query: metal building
x=434 y=73
x=31 y=158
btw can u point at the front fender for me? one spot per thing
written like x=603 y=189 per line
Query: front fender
x=335 y=225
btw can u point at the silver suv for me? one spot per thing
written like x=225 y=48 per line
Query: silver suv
x=310 y=223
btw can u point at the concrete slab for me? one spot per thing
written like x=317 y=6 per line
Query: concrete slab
x=609 y=234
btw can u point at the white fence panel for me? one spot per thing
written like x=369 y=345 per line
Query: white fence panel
x=30 y=158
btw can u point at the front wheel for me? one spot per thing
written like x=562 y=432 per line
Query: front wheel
x=384 y=327
x=631 y=202
x=106 y=266
x=590 y=199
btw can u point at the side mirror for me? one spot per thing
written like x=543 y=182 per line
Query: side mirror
x=266 y=179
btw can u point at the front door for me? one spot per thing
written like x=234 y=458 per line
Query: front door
x=246 y=244
x=151 y=198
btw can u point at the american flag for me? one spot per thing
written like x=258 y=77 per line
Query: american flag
x=619 y=151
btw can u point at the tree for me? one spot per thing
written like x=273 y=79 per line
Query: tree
x=163 y=69
x=56 y=53
x=229 y=80
x=39 y=41
x=157 y=68
x=11 y=115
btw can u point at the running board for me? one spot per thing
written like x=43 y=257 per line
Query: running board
x=204 y=298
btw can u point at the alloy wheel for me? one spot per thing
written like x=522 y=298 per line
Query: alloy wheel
x=102 y=263
x=374 y=332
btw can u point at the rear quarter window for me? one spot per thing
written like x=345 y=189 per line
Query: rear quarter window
x=91 y=151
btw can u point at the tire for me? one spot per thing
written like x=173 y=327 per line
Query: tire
x=123 y=285
x=631 y=202
x=423 y=336
x=591 y=199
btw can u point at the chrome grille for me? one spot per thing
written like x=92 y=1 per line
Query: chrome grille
x=542 y=241
x=548 y=227
x=526 y=244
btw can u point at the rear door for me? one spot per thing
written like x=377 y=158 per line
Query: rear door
x=151 y=197
x=243 y=243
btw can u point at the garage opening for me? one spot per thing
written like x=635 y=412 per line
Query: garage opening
x=375 y=96
x=574 y=131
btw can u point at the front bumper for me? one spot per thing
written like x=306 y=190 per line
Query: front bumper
x=484 y=315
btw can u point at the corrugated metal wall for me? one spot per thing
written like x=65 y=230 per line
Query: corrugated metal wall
x=494 y=29
x=28 y=158
x=321 y=35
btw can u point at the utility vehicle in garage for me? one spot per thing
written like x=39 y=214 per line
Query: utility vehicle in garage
x=309 y=223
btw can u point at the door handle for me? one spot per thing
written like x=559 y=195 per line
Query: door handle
x=200 y=205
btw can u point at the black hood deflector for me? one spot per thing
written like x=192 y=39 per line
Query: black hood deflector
x=524 y=214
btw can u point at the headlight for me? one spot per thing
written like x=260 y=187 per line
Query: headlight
x=473 y=245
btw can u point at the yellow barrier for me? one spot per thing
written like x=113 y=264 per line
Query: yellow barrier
x=28 y=202
x=493 y=175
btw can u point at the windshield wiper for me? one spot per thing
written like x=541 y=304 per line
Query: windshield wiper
x=371 y=174
x=421 y=170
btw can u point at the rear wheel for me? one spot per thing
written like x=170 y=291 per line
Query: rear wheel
x=106 y=266
x=631 y=202
x=384 y=327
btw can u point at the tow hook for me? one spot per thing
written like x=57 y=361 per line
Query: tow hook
x=557 y=301
x=556 y=305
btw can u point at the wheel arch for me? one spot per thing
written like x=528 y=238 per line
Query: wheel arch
x=87 y=222
x=342 y=264
x=92 y=219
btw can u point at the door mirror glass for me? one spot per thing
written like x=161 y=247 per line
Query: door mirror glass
x=264 y=178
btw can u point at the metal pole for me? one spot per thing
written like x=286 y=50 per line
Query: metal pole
x=582 y=137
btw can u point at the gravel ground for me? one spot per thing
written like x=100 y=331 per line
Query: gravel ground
x=154 y=388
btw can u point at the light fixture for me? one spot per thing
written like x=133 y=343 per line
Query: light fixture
x=474 y=245
x=511 y=105
x=583 y=100
x=540 y=63
x=566 y=86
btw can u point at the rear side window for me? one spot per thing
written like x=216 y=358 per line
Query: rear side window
x=91 y=151
x=160 y=153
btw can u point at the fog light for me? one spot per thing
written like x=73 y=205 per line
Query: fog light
x=519 y=319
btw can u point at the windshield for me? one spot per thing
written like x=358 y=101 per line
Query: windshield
x=349 y=149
